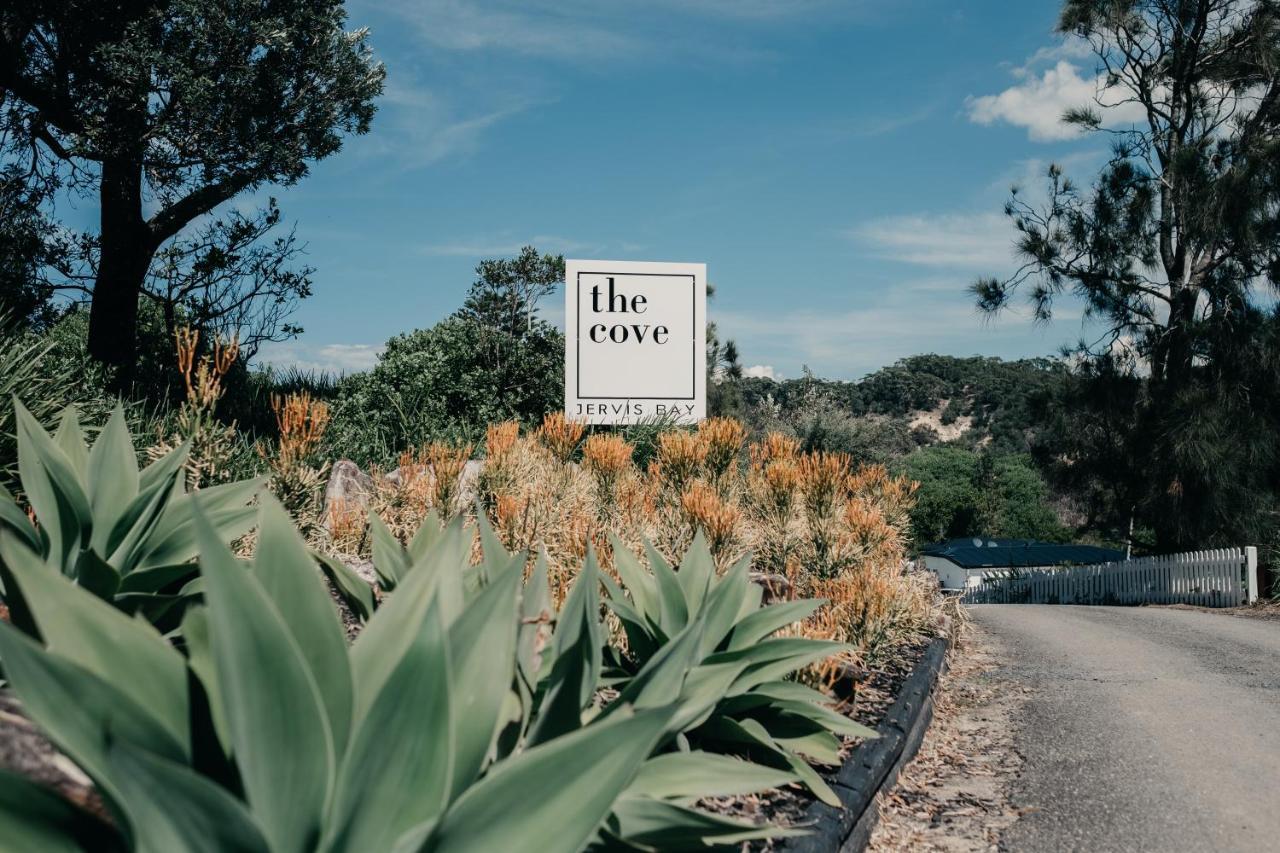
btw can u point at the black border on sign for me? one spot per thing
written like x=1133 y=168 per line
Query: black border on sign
x=577 y=296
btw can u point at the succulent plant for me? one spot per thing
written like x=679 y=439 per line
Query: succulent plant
x=736 y=667
x=127 y=536
x=449 y=725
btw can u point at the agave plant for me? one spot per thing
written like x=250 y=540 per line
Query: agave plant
x=127 y=536
x=750 y=706
x=266 y=732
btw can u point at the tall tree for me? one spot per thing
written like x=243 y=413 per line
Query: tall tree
x=1170 y=245
x=165 y=109
x=506 y=291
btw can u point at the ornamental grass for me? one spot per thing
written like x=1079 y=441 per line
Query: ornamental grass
x=816 y=523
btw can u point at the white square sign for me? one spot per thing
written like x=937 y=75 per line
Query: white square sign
x=635 y=341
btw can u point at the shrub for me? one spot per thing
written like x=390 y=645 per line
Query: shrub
x=440 y=383
x=124 y=535
x=454 y=723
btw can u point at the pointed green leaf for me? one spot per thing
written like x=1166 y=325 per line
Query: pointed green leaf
x=763 y=622
x=353 y=588
x=279 y=732
x=70 y=438
x=697 y=570
x=173 y=809
x=386 y=637
x=576 y=658
x=674 y=611
x=34 y=818
x=112 y=477
x=86 y=630
x=390 y=560
x=694 y=775
x=482 y=650
x=288 y=576
x=637 y=580
x=78 y=710
x=513 y=807
x=660 y=825
x=428 y=532
x=396 y=773
x=53 y=488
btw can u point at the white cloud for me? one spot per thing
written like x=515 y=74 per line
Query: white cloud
x=329 y=358
x=1041 y=97
x=762 y=371
x=973 y=241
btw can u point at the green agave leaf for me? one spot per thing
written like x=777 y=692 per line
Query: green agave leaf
x=91 y=633
x=33 y=818
x=14 y=520
x=78 y=710
x=637 y=579
x=774 y=658
x=819 y=745
x=697 y=571
x=390 y=560
x=694 y=775
x=173 y=809
x=820 y=714
x=494 y=555
x=535 y=613
x=173 y=538
x=428 y=532
x=674 y=611
x=704 y=690
x=792 y=691
x=133 y=529
x=660 y=681
x=576 y=658
x=163 y=472
x=482 y=651
x=353 y=588
x=397 y=771
x=195 y=634
x=273 y=709
x=70 y=438
x=112 y=476
x=751 y=734
x=387 y=636
x=288 y=576
x=514 y=807
x=723 y=603
x=155 y=579
x=53 y=488
x=761 y=623
x=96 y=575
x=667 y=826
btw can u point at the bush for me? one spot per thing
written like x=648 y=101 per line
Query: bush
x=440 y=729
x=447 y=382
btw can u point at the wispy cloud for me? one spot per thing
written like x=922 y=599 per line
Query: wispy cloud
x=329 y=358
x=762 y=371
x=1043 y=94
x=496 y=247
x=968 y=241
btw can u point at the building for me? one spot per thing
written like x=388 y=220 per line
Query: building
x=962 y=563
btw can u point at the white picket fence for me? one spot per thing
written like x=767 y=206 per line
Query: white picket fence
x=1224 y=577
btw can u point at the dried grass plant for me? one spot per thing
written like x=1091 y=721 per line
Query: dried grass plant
x=816 y=524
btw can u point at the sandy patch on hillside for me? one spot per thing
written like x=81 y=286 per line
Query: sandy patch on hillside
x=933 y=420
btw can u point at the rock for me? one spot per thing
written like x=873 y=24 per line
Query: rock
x=776 y=587
x=349 y=489
x=469 y=482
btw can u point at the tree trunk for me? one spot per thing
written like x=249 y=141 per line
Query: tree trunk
x=126 y=253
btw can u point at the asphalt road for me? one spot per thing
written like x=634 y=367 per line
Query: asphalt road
x=1143 y=728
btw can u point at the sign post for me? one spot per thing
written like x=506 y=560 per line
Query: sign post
x=635 y=342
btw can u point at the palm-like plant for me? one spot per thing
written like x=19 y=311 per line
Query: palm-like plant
x=736 y=667
x=127 y=536
x=431 y=732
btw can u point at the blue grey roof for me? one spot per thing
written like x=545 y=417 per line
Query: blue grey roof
x=980 y=553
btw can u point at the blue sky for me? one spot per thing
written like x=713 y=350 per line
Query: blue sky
x=840 y=166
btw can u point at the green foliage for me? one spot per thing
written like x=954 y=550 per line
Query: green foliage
x=734 y=697
x=443 y=728
x=965 y=494
x=448 y=381
x=127 y=536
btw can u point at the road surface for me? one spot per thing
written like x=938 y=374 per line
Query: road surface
x=1143 y=728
